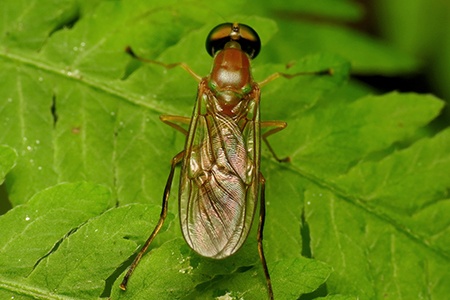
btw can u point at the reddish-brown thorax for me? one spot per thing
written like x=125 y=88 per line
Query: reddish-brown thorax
x=231 y=78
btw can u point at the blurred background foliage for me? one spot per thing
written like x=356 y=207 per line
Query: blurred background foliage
x=416 y=32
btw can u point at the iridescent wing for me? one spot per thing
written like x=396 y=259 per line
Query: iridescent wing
x=219 y=178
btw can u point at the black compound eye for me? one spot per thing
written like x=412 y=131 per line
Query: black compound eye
x=243 y=34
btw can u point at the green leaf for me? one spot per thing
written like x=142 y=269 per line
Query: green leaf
x=381 y=212
x=83 y=260
x=54 y=249
x=215 y=278
x=348 y=217
x=356 y=130
x=291 y=274
x=337 y=297
x=8 y=158
x=30 y=231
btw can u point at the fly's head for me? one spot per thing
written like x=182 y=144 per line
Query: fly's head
x=220 y=35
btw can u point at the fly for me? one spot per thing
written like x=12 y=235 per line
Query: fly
x=220 y=175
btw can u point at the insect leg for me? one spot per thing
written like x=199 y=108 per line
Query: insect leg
x=262 y=217
x=167 y=66
x=278 y=126
x=288 y=76
x=170 y=120
x=175 y=161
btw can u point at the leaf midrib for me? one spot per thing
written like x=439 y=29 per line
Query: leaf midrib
x=21 y=288
x=82 y=78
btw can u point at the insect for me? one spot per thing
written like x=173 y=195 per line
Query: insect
x=220 y=177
